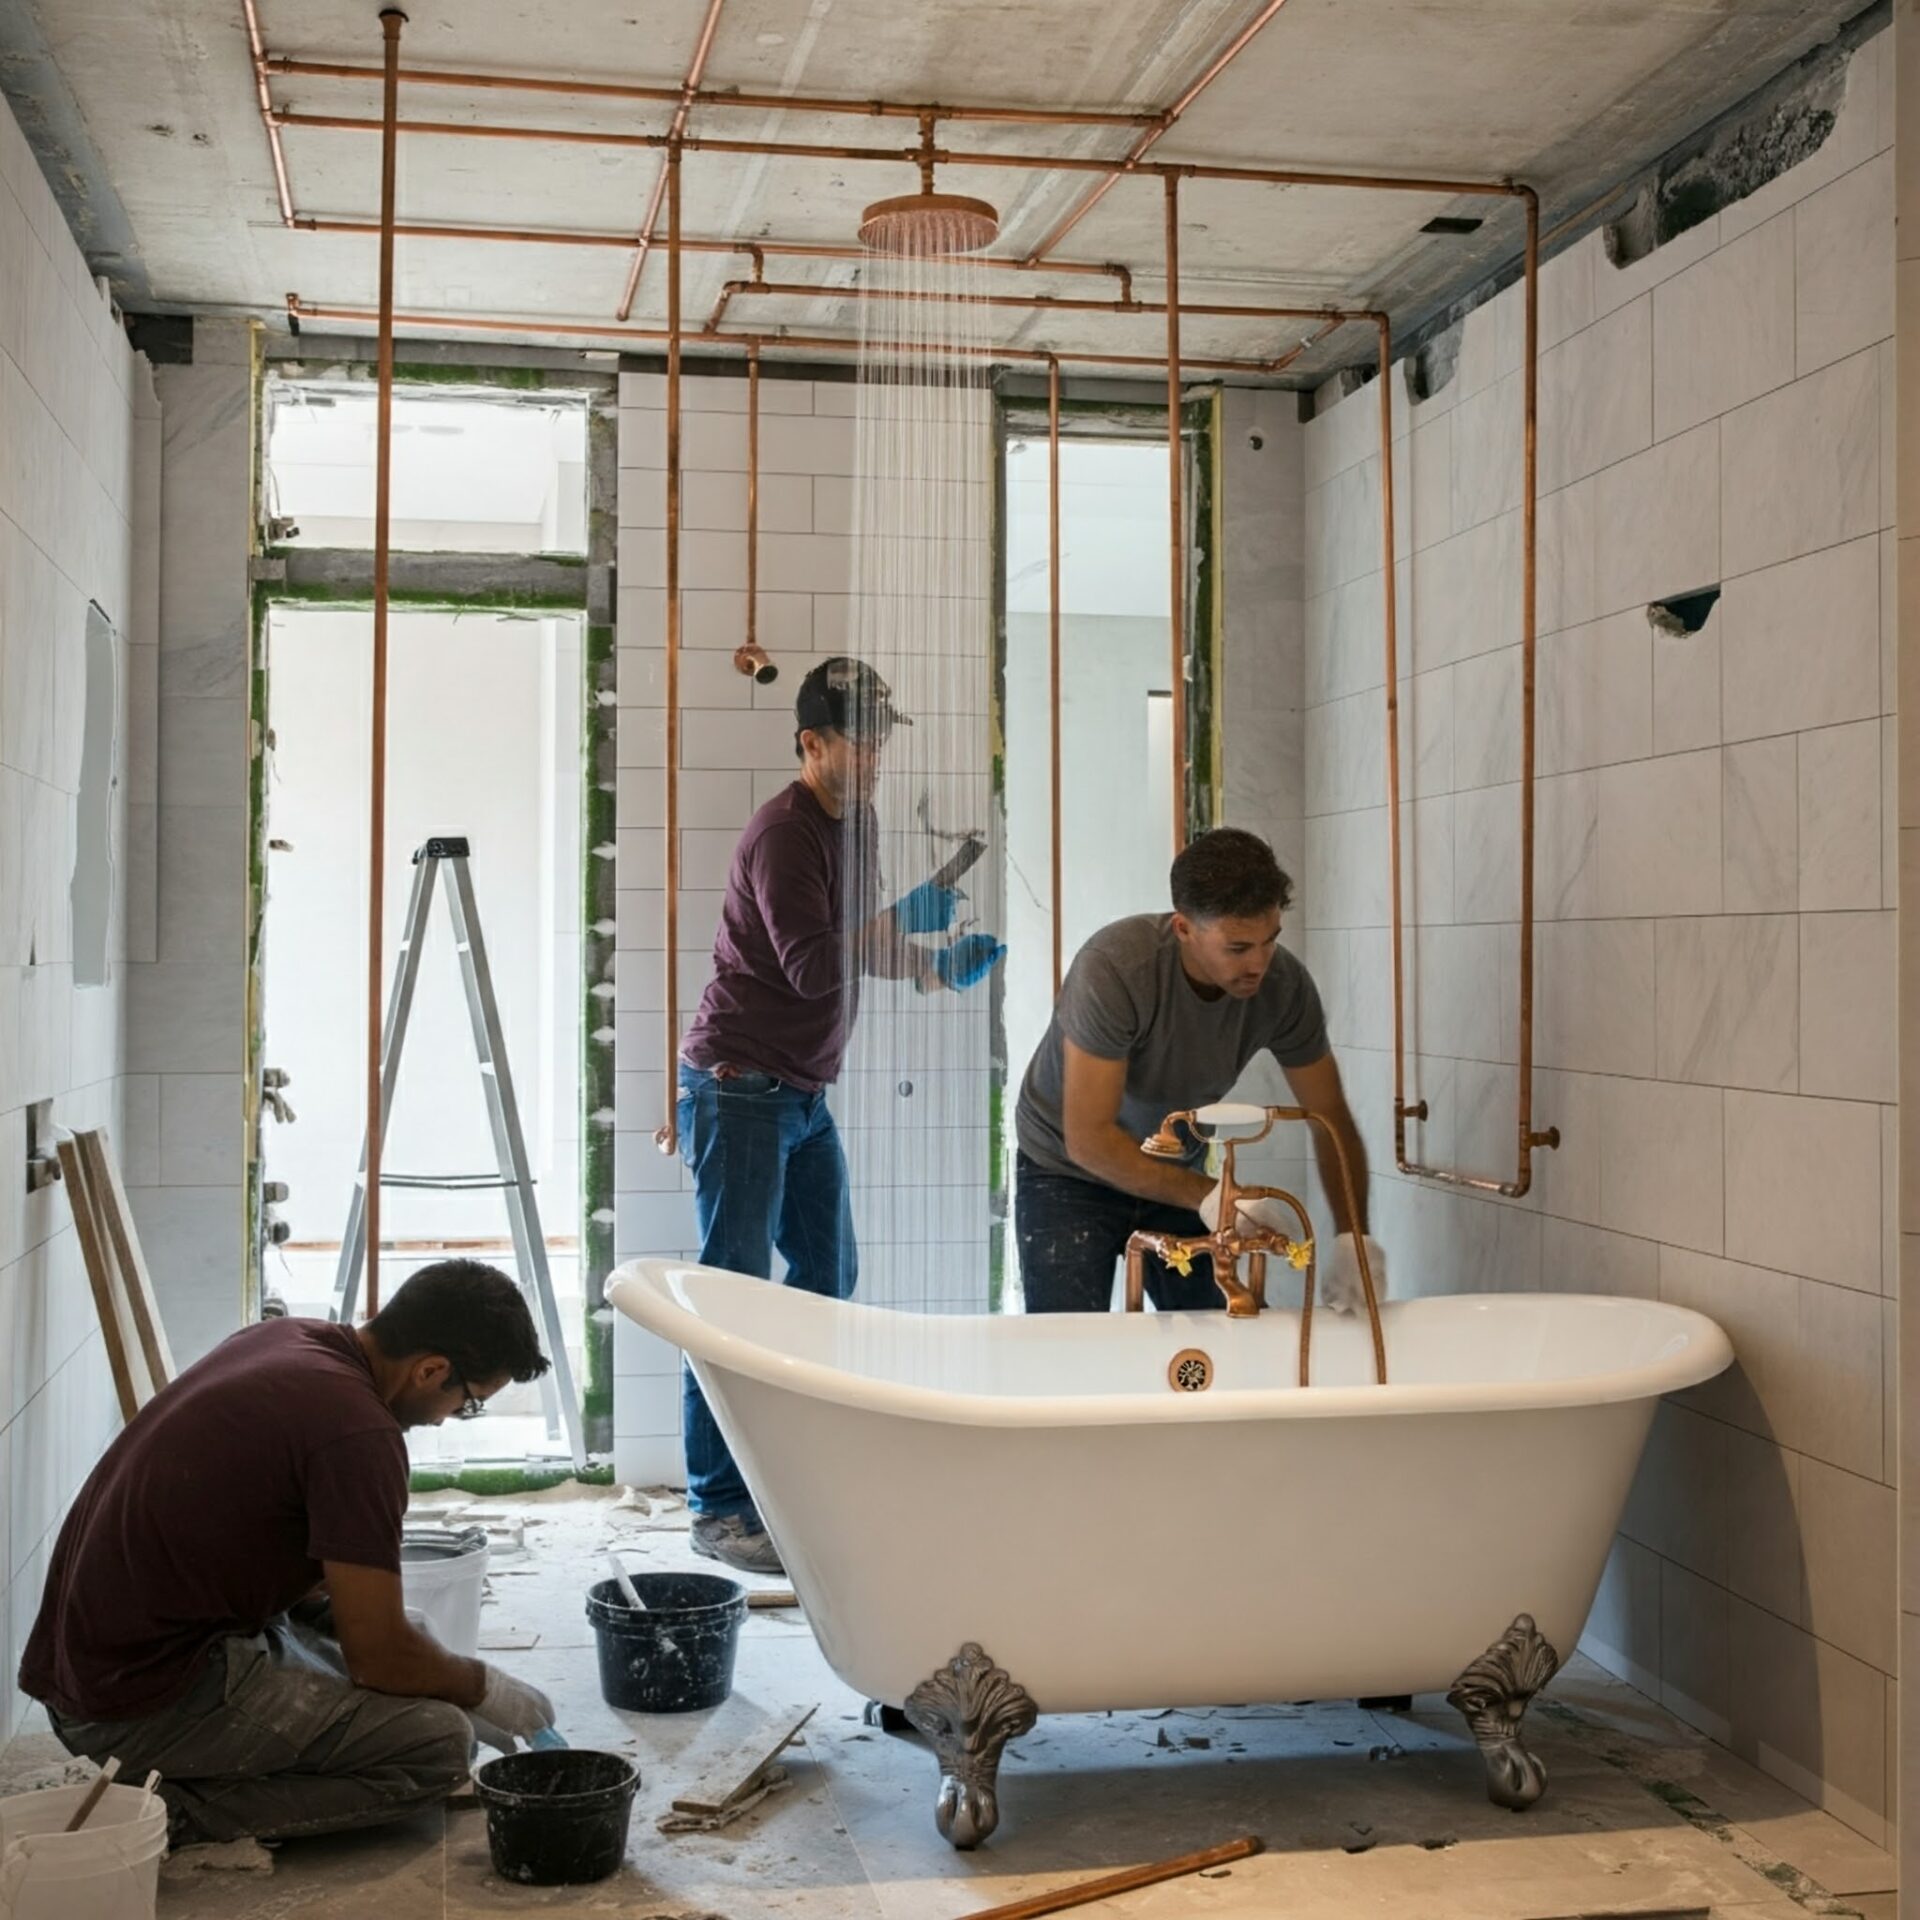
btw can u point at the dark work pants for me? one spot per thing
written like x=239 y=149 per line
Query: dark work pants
x=1070 y=1232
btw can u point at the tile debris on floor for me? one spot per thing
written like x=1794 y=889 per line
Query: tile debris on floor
x=1361 y=1812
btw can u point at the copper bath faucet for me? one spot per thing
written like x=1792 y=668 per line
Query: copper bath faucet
x=1236 y=1239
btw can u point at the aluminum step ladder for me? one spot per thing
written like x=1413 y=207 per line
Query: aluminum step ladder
x=514 y=1177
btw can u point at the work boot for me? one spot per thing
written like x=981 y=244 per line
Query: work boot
x=737 y=1540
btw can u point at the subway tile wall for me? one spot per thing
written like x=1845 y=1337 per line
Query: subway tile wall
x=737 y=752
x=1716 y=873
x=79 y=491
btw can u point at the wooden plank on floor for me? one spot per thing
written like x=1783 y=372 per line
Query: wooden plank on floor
x=100 y=1278
x=136 y=1284
x=735 y=1748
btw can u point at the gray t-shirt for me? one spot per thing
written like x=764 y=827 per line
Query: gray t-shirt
x=1127 y=997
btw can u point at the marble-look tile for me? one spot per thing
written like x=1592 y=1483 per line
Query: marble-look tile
x=139 y=1139
x=1464 y=598
x=1840 y=838
x=1343 y=526
x=1566 y=1179
x=203 y=881
x=1695 y=1680
x=1773 y=681
x=1803 y=1186
x=1657 y=521
x=1486 y=855
x=1729 y=1001
x=1760 y=833
x=185 y=1017
x=1840 y=1415
x=1486 y=725
x=1427 y=855
x=1661 y=1162
x=1595 y=694
x=1426 y=734
x=1766 y=1557
x=1686 y=689
x=1487 y=440
x=1844 y=273
x=1624 y=1625
x=1567 y=846
x=1596 y=397
x=1677 y=1505
x=1346 y=755
x=1583 y=1259
x=203 y=753
x=1428 y=518
x=1760 y=1311
x=1801 y=467
x=201 y=1127
x=1594 y=996
x=1723 y=330
x=1565 y=533
x=1849 y=1525
x=1849 y=1030
x=1455 y=981
x=1660 y=838
x=1344 y=649
x=1614 y=286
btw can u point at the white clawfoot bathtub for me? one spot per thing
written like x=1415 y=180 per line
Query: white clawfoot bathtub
x=1036 y=1486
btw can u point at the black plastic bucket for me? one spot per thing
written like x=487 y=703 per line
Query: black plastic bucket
x=557 y=1817
x=676 y=1654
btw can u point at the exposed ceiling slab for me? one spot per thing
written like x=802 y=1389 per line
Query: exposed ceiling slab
x=1569 y=98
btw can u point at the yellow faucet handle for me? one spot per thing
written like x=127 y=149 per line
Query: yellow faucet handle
x=1300 y=1255
x=1180 y=1261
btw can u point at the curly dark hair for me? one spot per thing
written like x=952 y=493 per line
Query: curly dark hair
x=467 y=1311
x=1228 y=874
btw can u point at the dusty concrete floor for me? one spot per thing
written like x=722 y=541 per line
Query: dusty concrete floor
x=1382 y=1815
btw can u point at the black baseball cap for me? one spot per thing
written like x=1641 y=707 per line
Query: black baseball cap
x=846 y=696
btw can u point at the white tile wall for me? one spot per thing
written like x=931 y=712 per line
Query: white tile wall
x=78 y=525
x=1715 y=956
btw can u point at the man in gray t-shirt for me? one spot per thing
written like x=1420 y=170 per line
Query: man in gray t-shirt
x=1160 y=1013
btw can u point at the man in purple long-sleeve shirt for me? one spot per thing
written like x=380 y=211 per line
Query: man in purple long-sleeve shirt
x=770 y=1034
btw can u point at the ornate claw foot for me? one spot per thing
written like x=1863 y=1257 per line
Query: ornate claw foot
x=1494 y=1694
x=970 y=1709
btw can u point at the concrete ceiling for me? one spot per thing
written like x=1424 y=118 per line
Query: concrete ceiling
x=1569 y=95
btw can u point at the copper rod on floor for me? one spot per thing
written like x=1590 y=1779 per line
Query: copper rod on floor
x=1237 y=46
x=667 y=1138
x=1053 y=644
x=264 y=94
x=1086 y=1891
x=1177 y=561
x=721 y=97
x=1527 y=1137
x=391 y=21
x=650 y=222
x=534 y=324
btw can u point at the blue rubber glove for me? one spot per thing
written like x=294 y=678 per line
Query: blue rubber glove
x=927 y=909
x=968 y=961
x=546 y=1740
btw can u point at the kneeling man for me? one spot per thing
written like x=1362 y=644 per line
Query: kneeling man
x=1160 y=1013
x=224 y=1603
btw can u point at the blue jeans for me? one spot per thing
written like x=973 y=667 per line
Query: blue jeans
x=768 y=1173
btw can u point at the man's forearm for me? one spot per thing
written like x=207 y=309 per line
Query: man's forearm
x=1327 y=1157
x=416 y=1666
x=1112 y=1155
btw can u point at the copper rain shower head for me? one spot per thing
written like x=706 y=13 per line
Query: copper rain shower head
x=751 y=659
x=928 y=224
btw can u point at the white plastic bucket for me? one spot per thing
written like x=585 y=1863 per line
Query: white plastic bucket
x=441 y=1574
x=109 y=1870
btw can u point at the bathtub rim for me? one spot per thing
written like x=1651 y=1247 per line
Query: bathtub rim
x=1706 y=1353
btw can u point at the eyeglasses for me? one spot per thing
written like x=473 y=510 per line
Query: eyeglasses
x=472 y=1407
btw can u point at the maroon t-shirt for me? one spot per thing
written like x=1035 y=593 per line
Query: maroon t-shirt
x=212 y=1512
x=781 y=1000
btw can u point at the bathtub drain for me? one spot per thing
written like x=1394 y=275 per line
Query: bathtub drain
x=1189 y=1371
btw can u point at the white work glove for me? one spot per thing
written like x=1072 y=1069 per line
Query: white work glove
x=509 y=1710
x=1270 y=1214
x=1340 y=1286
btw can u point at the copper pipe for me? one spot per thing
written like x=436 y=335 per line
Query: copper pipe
x=1089 y=201
x=675 y=128
x=1053 y=645
x=1177 y=567
x=391 y=21
x=784 y=249
x=719 y=97
x=257 y=47
x=300 y=309
x=1527 y=1138
x=753 y=492
x=920 y=156
x=1042 y=302
x=667 y=1138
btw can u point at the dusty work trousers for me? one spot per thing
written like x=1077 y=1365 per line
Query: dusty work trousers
x=275 y=1741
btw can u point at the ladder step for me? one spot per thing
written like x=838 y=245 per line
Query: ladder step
x=447 y=1182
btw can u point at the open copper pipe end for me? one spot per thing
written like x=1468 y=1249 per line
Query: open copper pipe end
x=929 y=223
x=751 y=659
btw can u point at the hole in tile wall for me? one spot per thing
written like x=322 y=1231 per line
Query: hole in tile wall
x=1683 y=613
x=43 y=1161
